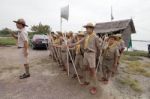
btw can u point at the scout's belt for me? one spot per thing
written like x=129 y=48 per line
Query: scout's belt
x=88 y=51
x=63 y=50
x=20 y=47
x=108 y=59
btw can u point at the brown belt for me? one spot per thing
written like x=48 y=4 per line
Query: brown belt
x=88 y=51
x=63 y=51
x=20 y=47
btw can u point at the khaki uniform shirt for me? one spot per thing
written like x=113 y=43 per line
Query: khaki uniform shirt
x=109 y=55
x=22 y=36
x=93 y=43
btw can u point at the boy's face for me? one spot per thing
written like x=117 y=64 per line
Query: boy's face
x=19 y=26
x=111 y=40
x=89 y=30
x=80 y=37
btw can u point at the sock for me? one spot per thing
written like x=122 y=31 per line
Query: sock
x=27 y=69
x=86 y=76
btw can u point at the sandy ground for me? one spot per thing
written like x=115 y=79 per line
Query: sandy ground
x=47 y=81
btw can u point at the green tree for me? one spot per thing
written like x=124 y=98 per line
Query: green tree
x=5 y=32
x=40 y=29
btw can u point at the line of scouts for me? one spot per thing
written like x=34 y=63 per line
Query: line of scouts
x=86 y=49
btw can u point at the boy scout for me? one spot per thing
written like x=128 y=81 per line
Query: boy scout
x=22 y=46
x=79 y=56
x=63 y=54
x=110 y=58
x=91 y=46
x=54 y=48
x=60 y=37
x=121 y=46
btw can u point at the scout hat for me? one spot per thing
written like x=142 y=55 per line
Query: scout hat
x=21 y=21
x=118 y=35
x=52 y=32
x=112 y=36
x=81 y=34
x=70 y=33
x=59 y=33
x=54 y=35
x=89 y=25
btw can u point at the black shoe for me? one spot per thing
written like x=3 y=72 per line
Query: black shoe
x=24 y=76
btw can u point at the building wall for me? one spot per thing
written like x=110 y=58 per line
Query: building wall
x=126 y=35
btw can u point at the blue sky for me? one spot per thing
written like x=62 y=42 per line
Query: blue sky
x=81 y=12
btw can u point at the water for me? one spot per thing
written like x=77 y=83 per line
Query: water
x=138 y=45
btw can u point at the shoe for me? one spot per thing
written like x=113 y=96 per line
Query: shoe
x=93 y=91
x=85 y=84
x=24 y=76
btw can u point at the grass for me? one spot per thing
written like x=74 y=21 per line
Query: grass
x=146 y=65
x=138 y=68
x=136 y=53
x=130 y=58
x=147 y=74
x=7 y=41
x=128 y=81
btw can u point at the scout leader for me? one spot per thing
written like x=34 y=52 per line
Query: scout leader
x=110 y=58
x=22 y=46
x=91 y=47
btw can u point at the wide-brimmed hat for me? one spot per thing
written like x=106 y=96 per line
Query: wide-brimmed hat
x=118 y=35
x=112 y=36
x=21 y=21
x=59 y=33
x=54 y=35
x=81 y=34
x=89 y=25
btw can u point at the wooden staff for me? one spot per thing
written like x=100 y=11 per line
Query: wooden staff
x=72 y=61
x=102 y=45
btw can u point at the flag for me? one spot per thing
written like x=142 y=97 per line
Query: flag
x=112 y=17
x=130 y=43
x=65 y=12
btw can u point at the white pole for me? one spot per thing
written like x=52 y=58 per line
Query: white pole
x=65 y=39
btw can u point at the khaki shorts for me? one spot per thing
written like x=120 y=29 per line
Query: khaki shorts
x=79 y=61
x=23 y=60
x=89 y=59
x=64 y=57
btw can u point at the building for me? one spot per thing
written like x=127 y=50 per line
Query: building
x=124 y=27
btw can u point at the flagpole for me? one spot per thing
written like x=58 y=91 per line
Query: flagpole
x=112 y=17
x=64 y=37
x=60 y=24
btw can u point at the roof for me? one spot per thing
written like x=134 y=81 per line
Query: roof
x=114 y=26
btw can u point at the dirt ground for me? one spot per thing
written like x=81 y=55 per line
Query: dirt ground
x=47 y=81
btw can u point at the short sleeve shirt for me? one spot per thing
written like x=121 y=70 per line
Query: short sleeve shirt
x=22 y=36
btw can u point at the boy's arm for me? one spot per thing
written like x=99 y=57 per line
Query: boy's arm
x=116 y=57
x=74 y=44
x=59 y=46
x=26 y=47
x=14 y=36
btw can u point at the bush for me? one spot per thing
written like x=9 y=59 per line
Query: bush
x=5 y=32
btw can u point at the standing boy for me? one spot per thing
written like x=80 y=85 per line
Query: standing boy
x=23 y=46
